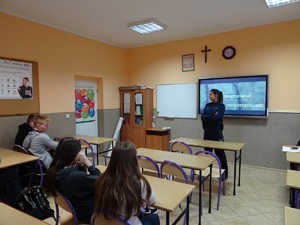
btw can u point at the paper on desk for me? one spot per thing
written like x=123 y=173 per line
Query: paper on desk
x=289 y=149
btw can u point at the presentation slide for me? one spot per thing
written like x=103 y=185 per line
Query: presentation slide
x=241 y=95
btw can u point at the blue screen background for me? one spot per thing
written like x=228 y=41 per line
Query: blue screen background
x=246 y=96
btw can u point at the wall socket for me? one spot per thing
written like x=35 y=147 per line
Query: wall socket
x=67 y=116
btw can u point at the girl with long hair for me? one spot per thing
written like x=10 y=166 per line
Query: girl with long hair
x=66 y=176
x=122 y=189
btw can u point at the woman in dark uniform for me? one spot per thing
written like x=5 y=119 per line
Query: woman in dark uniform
x=212 y=122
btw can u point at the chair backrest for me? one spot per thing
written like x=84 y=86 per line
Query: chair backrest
x=182 y=147
x=212 y=154
x=90 y=147
x=171 y=168
x=64 y=203
x=146 y=162
x=40 y=166
x=19 y=148
x=100 y=220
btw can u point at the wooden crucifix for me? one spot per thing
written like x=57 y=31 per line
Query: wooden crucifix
x=206 y=51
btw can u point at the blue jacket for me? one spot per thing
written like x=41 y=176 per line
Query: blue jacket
x=212 y=115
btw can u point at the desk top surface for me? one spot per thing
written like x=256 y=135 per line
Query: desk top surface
x=232 y=146
x=198 y=162
x=12 y=158
x=10 y=215
x=293 y=157
x=169 y=194
x=293 y=178
x=292 y=216
x=92 y=139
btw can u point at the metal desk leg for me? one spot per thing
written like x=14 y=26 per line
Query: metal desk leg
x=200 y=196
x=210 y=176
x=234 y=178
x=97 y=154
x=188 y=210
x=167 y=218
x=240 y=166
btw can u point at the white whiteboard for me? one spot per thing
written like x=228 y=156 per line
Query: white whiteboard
x=176 y=100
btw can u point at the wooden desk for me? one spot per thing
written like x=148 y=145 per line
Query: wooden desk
x=293 y=179
x=228 y=146
x=93 y=140
x=158 y=138
x=293 y=157
x=168 y=197
x=10 y=215
x=292 y=216
x=197 y=162
x=12 y=158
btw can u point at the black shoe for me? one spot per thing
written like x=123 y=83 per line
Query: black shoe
x=150 y=211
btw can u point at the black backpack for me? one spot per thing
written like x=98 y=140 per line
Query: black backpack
x=34 y=202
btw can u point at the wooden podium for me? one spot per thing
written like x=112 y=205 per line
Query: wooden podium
x=157 y=138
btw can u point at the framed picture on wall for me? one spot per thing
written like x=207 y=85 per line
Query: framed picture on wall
x=188 y=63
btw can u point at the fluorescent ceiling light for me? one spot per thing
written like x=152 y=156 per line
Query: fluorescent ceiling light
x=274 y=3
x=147 y=26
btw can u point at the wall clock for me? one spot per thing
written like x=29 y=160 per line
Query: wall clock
x=228 y=52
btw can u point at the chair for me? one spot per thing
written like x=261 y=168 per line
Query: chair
x=90 y=147
x=216 y=173
x=115 y=137
x=172 y=171
x=40 y=169
x=100 y=220
x=182 y=147
x=148 y=163
x=64 y=203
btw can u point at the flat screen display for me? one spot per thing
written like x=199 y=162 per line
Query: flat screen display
x=243 y=95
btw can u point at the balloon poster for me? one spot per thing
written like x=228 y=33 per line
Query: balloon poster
x=84 y=103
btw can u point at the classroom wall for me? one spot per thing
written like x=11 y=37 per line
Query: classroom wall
x=271 y=49
x=61 y=58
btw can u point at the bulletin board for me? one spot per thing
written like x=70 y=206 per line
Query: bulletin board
x=19 y=87
x=176 y=100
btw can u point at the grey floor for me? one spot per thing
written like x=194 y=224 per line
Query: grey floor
x=260 y=200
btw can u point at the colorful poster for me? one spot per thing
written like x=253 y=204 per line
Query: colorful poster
x=15 y=80
x=84 y=104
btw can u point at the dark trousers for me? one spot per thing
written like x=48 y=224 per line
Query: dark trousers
x=215 y=134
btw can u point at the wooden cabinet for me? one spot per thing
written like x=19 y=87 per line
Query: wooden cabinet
x=158 y=138
x=137 y=110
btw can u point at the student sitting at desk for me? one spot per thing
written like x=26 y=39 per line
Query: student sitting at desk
x=24 y=130
x=66 y=177
x=38 y=142
x=122 y=190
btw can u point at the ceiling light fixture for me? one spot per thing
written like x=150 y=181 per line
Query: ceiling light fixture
x=147 y=26
x=274 y=3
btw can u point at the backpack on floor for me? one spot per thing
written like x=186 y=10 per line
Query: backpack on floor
x=33 y=201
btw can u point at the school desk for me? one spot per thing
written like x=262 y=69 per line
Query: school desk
x=228 y=146
x=10 y=215
x=12 y=158
x=292 y=216
x=197 y=162
x=169 y=194
x=293 y=179
x=94 y=140
x=293 y=157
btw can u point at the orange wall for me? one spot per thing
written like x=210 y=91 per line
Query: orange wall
x=271 y=49
x=61 y=56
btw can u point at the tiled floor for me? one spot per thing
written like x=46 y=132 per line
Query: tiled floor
x=260 y=200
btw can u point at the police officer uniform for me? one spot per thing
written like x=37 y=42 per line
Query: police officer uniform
x=212 y=122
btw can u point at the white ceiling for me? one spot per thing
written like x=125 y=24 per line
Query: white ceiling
x=106 y=20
